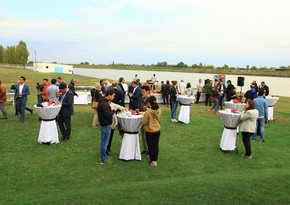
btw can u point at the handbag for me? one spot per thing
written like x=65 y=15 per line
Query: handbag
x=94 y=103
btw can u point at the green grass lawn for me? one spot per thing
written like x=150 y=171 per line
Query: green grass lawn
x=191 y=168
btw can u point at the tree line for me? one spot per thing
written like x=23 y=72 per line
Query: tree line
x=14 y=54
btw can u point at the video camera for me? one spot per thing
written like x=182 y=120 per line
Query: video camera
x=39 y=87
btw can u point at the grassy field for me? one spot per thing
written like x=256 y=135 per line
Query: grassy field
x=191 y=168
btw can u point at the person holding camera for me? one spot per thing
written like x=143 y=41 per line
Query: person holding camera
x=43 y=90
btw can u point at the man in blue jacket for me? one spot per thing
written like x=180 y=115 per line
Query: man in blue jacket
x=261 y=105
x=20 y=96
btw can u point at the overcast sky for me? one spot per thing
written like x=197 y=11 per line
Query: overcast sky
x=214 y=32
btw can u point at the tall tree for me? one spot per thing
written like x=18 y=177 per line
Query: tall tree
x=21 y=53
x=1 y=54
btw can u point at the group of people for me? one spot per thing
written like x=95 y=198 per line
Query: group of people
x=253 y=121
x=110 y=99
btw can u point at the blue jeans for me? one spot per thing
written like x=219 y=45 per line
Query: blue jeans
x=216 y=104
x=174 y=105
x=261 y=122
x=106 y=132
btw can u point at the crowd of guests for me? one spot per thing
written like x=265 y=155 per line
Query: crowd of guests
x=110 y=99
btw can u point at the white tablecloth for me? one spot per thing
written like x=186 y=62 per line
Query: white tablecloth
x=238 y=106
x=130 y=148
x=271 y=102
x=48 y=130
x=184 y=113
x=201 y=98
x=231 y=122
x=84 y=98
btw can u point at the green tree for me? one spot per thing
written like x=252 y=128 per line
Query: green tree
x=21 y=53
x=9 y=55
x=1 y=54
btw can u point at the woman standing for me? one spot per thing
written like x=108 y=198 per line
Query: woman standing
x=151 y=122
x=215 y=95
x=188 y=91
x=96 y=94
x=248 y=126
x=173 y=100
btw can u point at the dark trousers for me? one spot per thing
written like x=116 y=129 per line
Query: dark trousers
x=152 y=139
x=20 y=106
x=110 y=140
x=221 y=99
x=207 y=99
x=246 y=136
x=197 y=97
x=26 y=108
x=64 y=124
x=165 y=99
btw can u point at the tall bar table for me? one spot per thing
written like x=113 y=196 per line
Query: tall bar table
x=184 y=113
x=130 y=125
x=231 y=122
x=48 y=130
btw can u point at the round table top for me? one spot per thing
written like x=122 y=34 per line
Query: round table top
x=184 y=99
x=272 y=100
x=238 y=106
x=48 y=112
x=230 y=119
x=130 y=123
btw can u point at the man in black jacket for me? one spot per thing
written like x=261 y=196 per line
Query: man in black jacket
x=105 y=117
x=64 y=115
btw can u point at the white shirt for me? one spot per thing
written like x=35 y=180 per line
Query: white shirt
x=199 y=87
x=21 y=87
x=125 y=86
x=182 y=87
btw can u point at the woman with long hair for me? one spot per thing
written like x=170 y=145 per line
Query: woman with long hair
x=215 y=95
x=248 y=126
x=151 y=122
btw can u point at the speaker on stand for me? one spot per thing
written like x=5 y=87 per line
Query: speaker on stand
x=241 y=81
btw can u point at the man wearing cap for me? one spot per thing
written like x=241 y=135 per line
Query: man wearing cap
x=64 y=115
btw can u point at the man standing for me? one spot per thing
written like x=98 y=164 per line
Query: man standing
x=229 y=90
x=3 y=100
x=119 y=96
x=105 y=117
x=181 y=87
x=43 y=92
x=135 y=96
x=64 y=115
x=264 y=87
x=251 y=94
x=208 y=91
x=52 y=92
x=261 y=105
x=22 y=90
x=198 y=91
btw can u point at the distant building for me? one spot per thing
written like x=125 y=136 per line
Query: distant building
x=53 y=68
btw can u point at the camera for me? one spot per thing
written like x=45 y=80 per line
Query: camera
x=39 y=87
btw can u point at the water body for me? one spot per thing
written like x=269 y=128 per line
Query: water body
x=277 y=85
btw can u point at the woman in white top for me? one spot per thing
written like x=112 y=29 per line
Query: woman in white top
x=248 y=126
x=188 y=91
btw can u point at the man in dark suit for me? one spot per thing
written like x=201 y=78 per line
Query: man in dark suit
x=135 y=96
x=20 y=96
x=64 y=115
x=229 y=90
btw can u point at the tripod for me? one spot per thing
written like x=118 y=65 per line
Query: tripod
x=241 y=97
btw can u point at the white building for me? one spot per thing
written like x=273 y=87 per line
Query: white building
x=53 y=68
